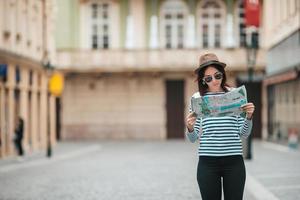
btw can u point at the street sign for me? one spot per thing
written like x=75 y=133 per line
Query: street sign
x=56 y=84
x=252 y=13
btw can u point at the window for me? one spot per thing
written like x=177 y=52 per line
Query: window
x=217 y=35
x=180 y=36
x=211 y=18
x=168 y=36
x=173 y=24
x=241 y=23
x=100 y=31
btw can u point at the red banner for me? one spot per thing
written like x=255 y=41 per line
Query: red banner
x=252 y=12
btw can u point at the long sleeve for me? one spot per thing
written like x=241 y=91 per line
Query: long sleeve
x=194 y=135
x=245 y=127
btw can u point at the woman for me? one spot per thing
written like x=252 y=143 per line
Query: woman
x=220 y=150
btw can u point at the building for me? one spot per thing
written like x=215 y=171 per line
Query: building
x=26 y=42
x=129 y=64
x=281 y=87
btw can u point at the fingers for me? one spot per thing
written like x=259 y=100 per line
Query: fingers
x=248 y=106
x=192 y=114
x=190 y=124
x=191 y=119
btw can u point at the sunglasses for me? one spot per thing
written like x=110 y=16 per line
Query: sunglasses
x=217 y=76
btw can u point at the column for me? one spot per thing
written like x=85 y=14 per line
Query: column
x=153 y=25
x=1 y=22
x=191 y=40
x=264 y=112
x=43 y=111
x=34 y=111
x=52 y=108
x=129 y=43
x=11 y=82
x=229 y=25
x=137 y=10
x=2 y=119
x=24 y=86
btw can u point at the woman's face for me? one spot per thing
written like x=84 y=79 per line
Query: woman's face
x=213 y=78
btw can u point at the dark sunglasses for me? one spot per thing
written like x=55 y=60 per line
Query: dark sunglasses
x=217 y=76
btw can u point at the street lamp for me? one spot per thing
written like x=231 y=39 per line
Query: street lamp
x=55 y=87
x=251 y=51
x=49 y=68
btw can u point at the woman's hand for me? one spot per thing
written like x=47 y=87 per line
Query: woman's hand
x=248 y=108
x=190 y=121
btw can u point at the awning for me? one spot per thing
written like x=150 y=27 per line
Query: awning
x=282 y=77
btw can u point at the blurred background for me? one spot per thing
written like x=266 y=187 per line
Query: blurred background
x=119 y=70
x=123 y=69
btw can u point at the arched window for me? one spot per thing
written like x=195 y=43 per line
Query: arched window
x=173 y=24
x=211 y=17
x=99 y=34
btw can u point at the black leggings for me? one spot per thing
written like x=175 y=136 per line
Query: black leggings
x=18 y=143
x=211 y=172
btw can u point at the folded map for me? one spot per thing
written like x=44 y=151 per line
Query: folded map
x=226 y=104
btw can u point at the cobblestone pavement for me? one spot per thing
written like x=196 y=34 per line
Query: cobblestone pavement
x=128 y=170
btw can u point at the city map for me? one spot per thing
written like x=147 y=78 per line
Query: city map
x=227 y=104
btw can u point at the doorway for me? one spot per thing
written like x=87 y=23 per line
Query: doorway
x=254 y=91
x=175 y=108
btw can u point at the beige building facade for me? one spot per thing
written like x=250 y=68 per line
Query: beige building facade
x=129 y=64
x=281 y=96
x=25 y=44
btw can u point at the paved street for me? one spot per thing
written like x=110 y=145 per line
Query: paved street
x=277 y=168
x=139 y=170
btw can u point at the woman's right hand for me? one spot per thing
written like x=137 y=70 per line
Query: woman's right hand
x=190 y=121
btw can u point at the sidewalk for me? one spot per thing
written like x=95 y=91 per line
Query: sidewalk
x=274 y=172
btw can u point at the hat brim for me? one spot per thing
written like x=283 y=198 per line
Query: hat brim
x=213 y=62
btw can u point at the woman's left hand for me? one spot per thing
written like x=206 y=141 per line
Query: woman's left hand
x=249 y=109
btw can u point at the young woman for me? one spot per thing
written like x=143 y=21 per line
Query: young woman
x=220 y=151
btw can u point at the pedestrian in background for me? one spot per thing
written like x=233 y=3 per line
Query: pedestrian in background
x=19 y=136
x=220 y=153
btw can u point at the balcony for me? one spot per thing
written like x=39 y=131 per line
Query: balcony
x=149 y=60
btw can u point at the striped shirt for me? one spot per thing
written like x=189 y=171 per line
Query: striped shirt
x=220 y=136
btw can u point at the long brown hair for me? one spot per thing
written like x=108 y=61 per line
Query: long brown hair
x=203 y=87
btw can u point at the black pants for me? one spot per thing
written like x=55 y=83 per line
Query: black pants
x=213 y=172
x=18 y=143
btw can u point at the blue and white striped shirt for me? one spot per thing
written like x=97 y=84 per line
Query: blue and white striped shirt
x=220 y=136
